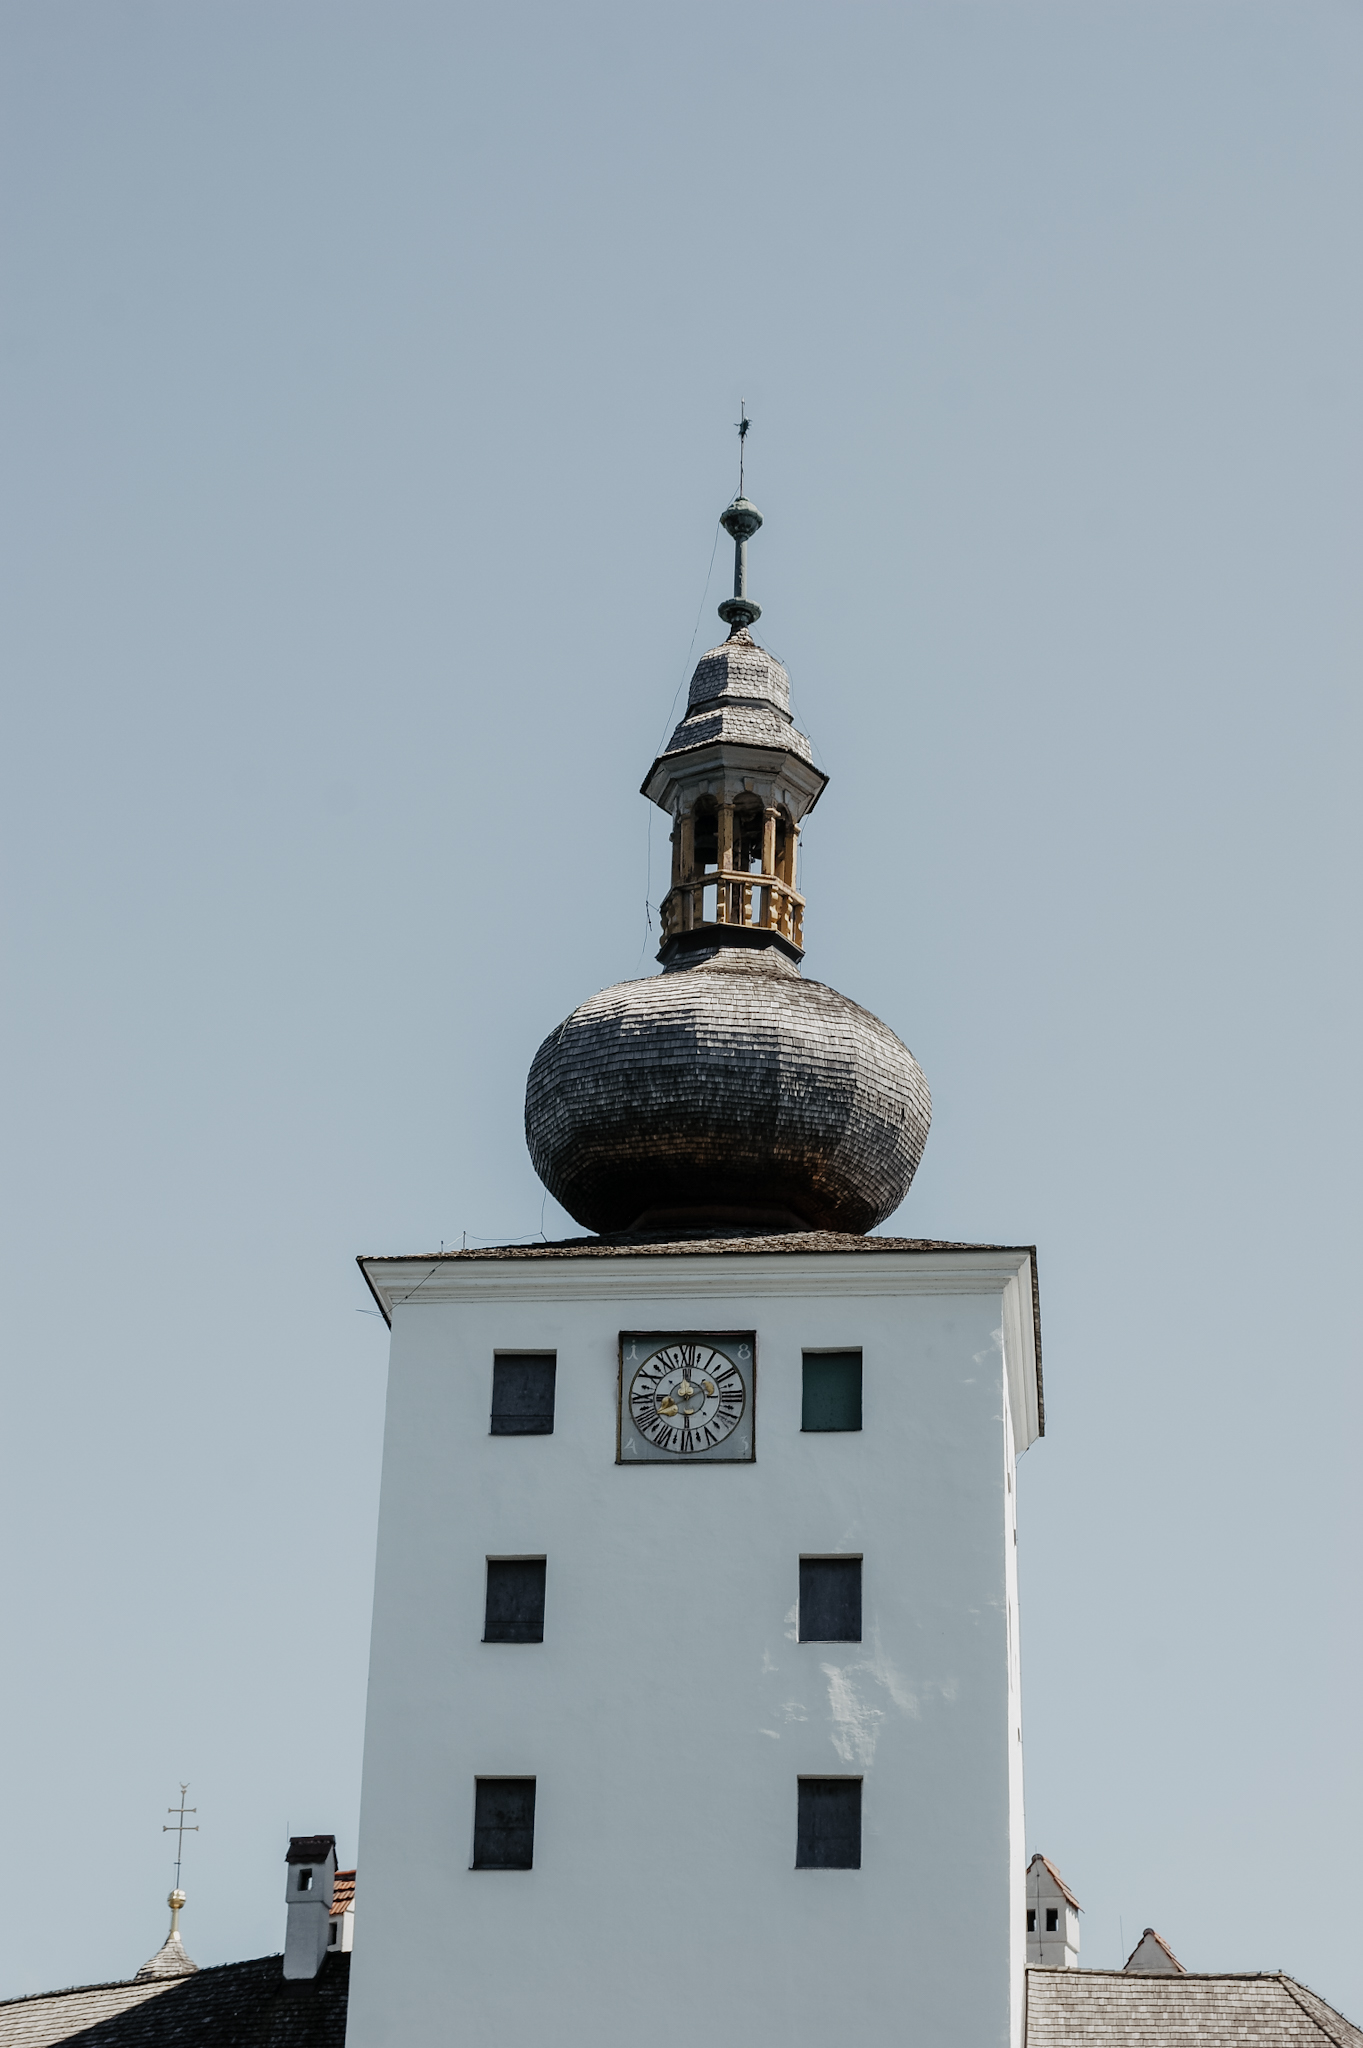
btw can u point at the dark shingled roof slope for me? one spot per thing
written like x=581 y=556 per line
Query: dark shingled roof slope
x=236 y=2005
x=1122 y=2009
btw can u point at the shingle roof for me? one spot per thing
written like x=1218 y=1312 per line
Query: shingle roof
x=170 y=1960
x=741 y=671
x=720 y=1090
x=739 y=692
x=236 y=2005
x=746 y=725
x=1114 y=2009
x=342 y=1892
x=62 y=2015
x=643 y=1246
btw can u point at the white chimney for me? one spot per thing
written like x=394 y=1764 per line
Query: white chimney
x=308 y=1892
x=1052 y=1919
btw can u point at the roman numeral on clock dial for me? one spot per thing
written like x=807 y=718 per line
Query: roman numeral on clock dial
x=686 y=1396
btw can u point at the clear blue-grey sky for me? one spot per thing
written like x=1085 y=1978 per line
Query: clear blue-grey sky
x=371 y=372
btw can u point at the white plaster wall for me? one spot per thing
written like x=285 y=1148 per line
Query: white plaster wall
x=309 y=1916
x=1017 y=1829
x=669 y=1710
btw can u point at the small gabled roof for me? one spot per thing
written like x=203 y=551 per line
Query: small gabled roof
x=1056 y=1879
x=1153 y=1954
x=310 y=1848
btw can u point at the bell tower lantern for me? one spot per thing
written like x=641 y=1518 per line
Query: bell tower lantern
x=736 y=780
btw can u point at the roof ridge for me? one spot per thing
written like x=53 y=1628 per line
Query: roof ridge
x=1168 y=1977
x=71 y=1990
x=647 y=1243
x=1291 y=1987
x=128 y=1983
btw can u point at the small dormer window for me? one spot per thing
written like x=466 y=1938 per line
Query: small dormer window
x=305 y=1880
x=1031 y=1919
x=1052 y=1919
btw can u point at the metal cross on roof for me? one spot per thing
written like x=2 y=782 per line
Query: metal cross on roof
x=180 y=1830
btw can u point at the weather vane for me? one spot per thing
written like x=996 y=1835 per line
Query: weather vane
x=180 y=1830
x=743 y=423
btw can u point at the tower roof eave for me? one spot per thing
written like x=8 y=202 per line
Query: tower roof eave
x=743 y=755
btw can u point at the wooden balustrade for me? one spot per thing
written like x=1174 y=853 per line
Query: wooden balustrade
x=762 y=901
x=765 y=902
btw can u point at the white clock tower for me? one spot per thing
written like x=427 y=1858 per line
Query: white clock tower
x=693 y=1709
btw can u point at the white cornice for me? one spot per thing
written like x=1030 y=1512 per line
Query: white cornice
x=412 y=1283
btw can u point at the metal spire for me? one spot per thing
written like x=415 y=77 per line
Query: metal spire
x=180 y=1830
x=170 y=1959
x=740 y=522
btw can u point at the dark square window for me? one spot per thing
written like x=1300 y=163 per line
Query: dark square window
x=504 y=1824
x=829 y=1833
x=523 y=1394
x=515 y=1600
x=832 y=1390
x=1052 y=1919
x=1031 y=1919
x=830 y=1599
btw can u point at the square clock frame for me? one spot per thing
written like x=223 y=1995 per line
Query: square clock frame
x=687 y=1397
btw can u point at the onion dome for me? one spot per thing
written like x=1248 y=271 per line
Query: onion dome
x=729 y=1091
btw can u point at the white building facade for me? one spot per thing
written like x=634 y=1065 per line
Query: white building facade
x=682 y=1739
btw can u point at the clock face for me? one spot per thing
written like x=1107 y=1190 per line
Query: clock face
x=686 y=1396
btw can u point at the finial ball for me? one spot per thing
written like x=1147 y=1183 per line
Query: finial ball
x=741 y=520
